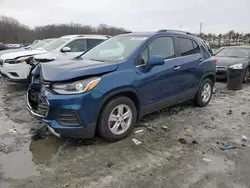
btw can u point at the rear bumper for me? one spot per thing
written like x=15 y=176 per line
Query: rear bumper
x=15 y=72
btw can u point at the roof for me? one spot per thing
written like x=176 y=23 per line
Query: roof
x=86 y=36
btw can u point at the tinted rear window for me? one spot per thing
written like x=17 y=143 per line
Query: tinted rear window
x=188 y=47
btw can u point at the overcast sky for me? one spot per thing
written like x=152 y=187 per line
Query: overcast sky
x=136 y=15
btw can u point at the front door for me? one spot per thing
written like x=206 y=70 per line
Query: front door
x=77 y=47
x=160 y=84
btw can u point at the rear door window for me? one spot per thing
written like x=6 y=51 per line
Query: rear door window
x=92 y=42
x=187 y=47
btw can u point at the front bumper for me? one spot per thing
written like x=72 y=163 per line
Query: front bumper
x=15 y=72
x=221 y=73
x=68 y=115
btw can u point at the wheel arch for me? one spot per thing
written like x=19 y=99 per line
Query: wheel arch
x=128 y=92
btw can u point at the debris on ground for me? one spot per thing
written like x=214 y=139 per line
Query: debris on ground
x=230 y=112
x=165 y=128
x=139 y=131
x=214 y=90
x=243 y=145
x=151 y=129
x=40 y=133
x=182 y=140
x=212 y=118
x=137 y=142
x=194 y=142
x=188 y=130
x=110 y=164
x=207 y=160
x=243 y=113
x=228 y=148
x=244 y=138
x=12 y=130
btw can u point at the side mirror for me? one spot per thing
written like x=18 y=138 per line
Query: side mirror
x=66 y=49
x=153 y=61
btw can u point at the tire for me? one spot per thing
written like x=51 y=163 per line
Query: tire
x=199 y=100
x=246 y=75
x=106 y=125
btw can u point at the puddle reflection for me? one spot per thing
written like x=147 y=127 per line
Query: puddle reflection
x=43 y=149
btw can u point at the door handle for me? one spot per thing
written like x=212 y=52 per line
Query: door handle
x=200 y=59
x=176 y=68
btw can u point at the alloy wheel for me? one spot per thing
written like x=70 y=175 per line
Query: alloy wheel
x=120 y=119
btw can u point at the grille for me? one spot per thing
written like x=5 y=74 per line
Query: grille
x=38 y=104
x=68 y=118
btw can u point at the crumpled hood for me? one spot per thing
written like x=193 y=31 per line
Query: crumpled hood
x=18 y=54
x=228 y=61
x=54 y=55
x=66 y=70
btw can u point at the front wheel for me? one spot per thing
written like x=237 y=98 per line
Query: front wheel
x=117 y=119
x=204 y=94
x=246 y=75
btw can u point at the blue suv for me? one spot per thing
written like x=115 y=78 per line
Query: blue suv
x=111 y=86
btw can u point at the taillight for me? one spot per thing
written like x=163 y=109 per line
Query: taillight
x=214 y=60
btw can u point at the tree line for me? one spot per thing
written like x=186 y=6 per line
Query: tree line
x=12 y=31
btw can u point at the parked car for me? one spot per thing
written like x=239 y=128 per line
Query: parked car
x=234 y=56
x=15 y=63
x=120 y=80
x=35 y=45
x=65 y=47
x=3 y=47
x=76 y=45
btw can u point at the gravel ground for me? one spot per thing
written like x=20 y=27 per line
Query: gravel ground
x=31 y=157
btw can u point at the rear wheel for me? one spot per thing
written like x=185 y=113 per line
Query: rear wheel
x=204 y=94
x=117 y=119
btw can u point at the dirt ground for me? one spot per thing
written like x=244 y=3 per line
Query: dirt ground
x=29 y=157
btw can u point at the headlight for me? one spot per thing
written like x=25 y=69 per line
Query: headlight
x=237 y=66
x=19 y=60
x=76 y=87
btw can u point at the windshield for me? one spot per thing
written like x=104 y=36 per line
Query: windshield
x=234 y=52
x=115 y=49
x=40 y=43
x=55 y=44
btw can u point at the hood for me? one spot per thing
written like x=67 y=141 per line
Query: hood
x=66 y=70
x=11 y=50
x=228 y=61
x=18 y=54
x=54 y=55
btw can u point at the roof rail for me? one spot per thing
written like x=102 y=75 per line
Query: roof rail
x=165 y=30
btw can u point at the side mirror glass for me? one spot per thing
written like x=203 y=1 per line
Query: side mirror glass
x=66 y=49
x=153 y=61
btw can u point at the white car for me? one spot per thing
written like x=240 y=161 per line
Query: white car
x=17 y=67
x=75 y=46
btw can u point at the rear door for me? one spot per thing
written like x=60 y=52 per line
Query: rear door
x=187 y=67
